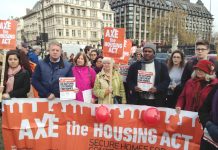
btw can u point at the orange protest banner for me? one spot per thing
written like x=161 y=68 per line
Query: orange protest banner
x=113 y=42
x=71 y=125
x=124 y=59
x=8 y=34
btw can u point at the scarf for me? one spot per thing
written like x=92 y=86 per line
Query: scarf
x=199 y=83
x=144 y=62
x=147 y=61
x=11 y=74
x=215 y=108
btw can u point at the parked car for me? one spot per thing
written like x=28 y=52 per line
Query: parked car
x=162 y=57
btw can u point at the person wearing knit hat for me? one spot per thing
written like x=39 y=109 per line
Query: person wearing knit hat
x=151 y=46
x=153 y=91
x=196 y=89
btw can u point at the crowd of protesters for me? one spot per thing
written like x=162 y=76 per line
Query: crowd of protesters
x=177 y=84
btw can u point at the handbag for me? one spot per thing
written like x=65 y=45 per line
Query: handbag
x=117 y=100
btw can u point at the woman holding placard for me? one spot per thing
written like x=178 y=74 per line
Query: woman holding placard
x=16 y=79
x=108 y=86
x=85 y=78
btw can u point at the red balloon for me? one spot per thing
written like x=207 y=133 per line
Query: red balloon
x=151 y=116
x=102 y=114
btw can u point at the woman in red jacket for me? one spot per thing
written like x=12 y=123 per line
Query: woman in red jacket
x=197 y=88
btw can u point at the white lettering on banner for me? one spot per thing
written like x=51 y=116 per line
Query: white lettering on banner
x=171 y=142
x=25 y=129
x=112 y=33
x=5 y=25
x=76 y=129
x=6 y=41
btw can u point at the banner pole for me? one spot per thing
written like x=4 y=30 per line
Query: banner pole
x=3 y=71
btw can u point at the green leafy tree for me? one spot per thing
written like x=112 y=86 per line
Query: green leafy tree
x=172 y=24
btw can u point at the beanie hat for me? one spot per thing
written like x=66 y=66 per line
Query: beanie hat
x=151 y=46
x=206 y=66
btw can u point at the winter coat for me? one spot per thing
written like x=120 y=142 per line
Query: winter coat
x=45 y=79
x=102 y=83
x=21 y=85
x=186 y=98
x=161 y=83
x=85 y=79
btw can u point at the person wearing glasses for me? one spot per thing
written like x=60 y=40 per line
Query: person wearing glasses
x=196 y=89
x=175 y=65
x=201 y=53
x=93 y=56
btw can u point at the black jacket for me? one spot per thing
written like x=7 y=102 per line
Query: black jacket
x=161 y=82
x=21 y=85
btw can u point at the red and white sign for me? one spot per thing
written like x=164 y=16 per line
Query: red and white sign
x=145 y=80
x=126 y=53
x=67 y=87
x=113 y=42
x=8 y=34
x=39 y=124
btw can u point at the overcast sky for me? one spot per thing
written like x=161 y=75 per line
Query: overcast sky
x=17 y=8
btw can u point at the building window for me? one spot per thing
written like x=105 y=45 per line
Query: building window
x=72 y=11
x=93 y=13
x=73 y=22
x=58 y=20
x=67 y=32
x=83 y=3
x=66 y=21
x=93 y=34
x=84 y=23
x=78 y=12
x=77 y=2
x=57 y=9
x=78 y=23
x=73 y=33
x=84 y=34
x=60 y=32
x=66 y=9
x=84 y=12
x=79 y=33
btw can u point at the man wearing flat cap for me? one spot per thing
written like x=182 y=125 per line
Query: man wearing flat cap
x=148 y=79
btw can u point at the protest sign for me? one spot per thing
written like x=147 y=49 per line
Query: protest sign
x=65 y=125
x=67 y=87
x=124 y=59
x=123 y=69
x=113 y=42
x=8 y=34
x=145 y=80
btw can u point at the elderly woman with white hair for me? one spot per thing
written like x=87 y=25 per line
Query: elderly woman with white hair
x=103 y=88
x=197 y=88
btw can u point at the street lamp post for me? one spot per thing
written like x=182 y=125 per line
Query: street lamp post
x=43 y=25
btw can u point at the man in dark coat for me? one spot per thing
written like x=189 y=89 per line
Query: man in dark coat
x=48 y=71
x=154 y=73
